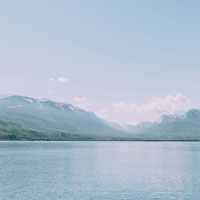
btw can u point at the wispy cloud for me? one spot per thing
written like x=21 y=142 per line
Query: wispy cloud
x=62 y=80
x=104 y=110
x=51 y=79
x=59 y=80
x=81 y=102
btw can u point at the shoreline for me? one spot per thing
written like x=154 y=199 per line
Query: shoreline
x=99 y=141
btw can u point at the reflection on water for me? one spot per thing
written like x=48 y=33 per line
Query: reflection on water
x=99 y=170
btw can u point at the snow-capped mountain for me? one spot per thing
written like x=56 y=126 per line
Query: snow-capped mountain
x=185 y=126
x=53 y=118
x=25 y=118
x=174 y=127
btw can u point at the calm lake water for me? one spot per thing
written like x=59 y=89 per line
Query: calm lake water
x=99 y=170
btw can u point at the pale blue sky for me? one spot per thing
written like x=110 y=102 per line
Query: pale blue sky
x=117 y=55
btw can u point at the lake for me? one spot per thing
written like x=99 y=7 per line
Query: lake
x=99 y=170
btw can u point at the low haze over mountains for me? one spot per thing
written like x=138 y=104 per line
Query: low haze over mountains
x=25 y=118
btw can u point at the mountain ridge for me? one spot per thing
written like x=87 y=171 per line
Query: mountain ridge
x=47 y=116
x=27 y=118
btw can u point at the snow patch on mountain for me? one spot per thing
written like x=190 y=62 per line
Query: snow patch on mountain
x=28 y=100
x=60 y=106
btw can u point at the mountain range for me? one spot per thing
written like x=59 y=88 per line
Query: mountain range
x=25 y=118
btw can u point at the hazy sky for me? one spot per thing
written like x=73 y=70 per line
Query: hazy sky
x=126 y=61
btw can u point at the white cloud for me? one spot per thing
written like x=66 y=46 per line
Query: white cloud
x=81 y=102
x=59 y=80
x=62 y=80
x=167 y=105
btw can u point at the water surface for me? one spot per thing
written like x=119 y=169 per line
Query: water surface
x=99 y=170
